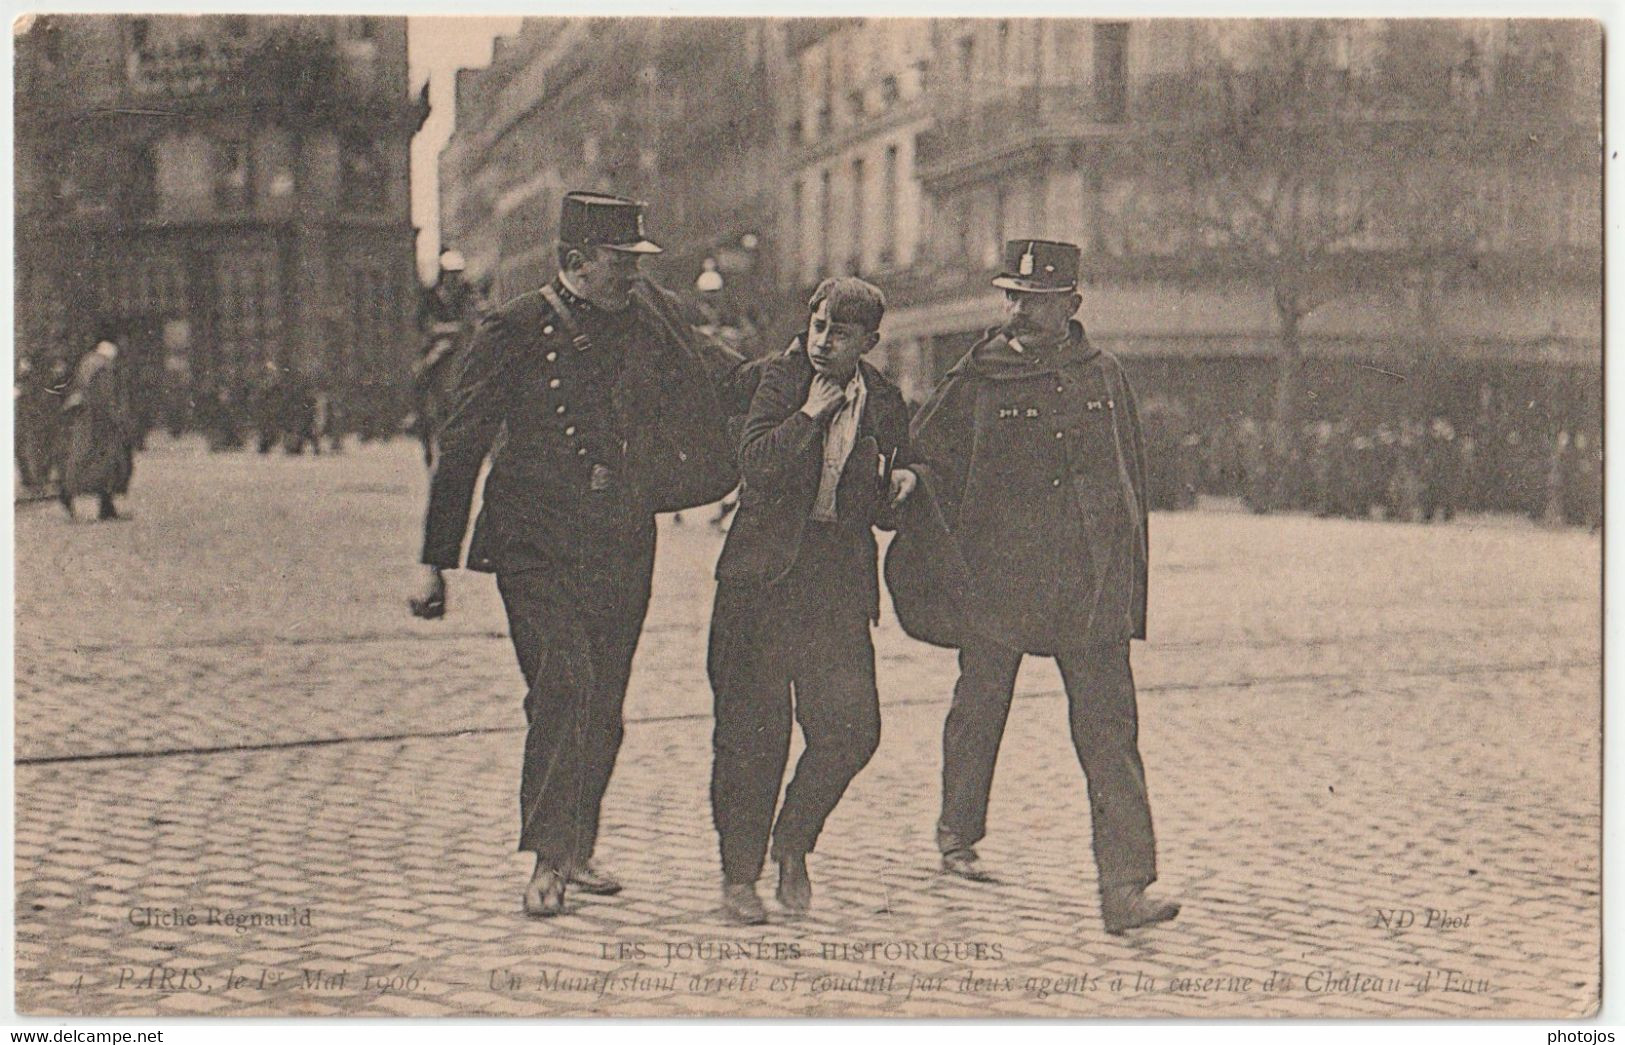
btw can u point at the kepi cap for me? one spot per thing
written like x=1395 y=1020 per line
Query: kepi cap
x=601 y=220
x=1039 y=266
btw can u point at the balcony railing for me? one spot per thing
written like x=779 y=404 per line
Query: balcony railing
x=1014 y=117
x=988 y=125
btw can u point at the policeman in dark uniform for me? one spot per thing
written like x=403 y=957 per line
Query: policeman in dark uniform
x=1031 y=453
x=613 y=411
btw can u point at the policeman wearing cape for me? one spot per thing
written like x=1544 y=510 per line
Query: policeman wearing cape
x=1030 y=538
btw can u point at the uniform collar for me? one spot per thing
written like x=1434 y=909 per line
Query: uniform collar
x=572 y=296
x=994 y=356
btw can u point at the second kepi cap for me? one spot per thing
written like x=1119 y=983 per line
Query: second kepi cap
x=1039 y=266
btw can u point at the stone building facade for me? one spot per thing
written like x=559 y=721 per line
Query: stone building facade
x=683 y=113
x=907 y=151
x=230 y=192
x=1078 y=130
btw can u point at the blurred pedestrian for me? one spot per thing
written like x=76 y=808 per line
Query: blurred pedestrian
x=448 y=316
x=100 y=433
x=1365 y=474
x=38 y=420
x=177 y=394
x=1588 y=446
x=1171 y=459
x=1254 y=452
x=1405 y=475
x=1319 y=468
x=1441 y=471
x=267 y=406
x=297 y=413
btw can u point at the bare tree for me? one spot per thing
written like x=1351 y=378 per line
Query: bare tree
x=1272 y=118
x=1329 y=156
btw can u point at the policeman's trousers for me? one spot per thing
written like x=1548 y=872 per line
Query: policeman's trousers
x=1105 y=732
x=575 y=631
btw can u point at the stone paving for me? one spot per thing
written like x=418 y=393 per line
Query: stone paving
x=224 y=715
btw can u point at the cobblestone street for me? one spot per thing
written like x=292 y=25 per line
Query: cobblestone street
x=224 y=710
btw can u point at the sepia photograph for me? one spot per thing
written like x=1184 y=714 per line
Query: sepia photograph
x=841 y=517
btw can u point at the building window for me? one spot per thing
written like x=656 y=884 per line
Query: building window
x=53 y=41
x=232 y=179
x=855 y=257
x=826 y=105
x=797 y=237
x=1067 y=35
x=888 y=91
x=140 y=32
x=888 y=243
x=372 y=316
x=823 y=222
x=140 y=196
x=1111 y=71
x=967 y=57
x=854 y=100
x=248 y=310
x=361 y=177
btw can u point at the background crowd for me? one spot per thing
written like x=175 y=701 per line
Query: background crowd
x=1414 y=465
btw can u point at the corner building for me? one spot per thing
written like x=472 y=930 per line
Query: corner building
x=229 y=190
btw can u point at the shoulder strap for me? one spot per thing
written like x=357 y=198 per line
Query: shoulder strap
x=566 y=316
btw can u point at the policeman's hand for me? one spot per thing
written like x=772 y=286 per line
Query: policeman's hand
x=824 y=398
x=903 y=482
x=431 y=604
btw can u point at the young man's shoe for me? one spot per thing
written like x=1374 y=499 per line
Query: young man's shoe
x=742 y=905
x=1125 y=907
x=959 y=859
x=795 y=888
x=592 y=880
x=964 y=863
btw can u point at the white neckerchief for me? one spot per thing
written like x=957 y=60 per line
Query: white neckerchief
x=839 y=439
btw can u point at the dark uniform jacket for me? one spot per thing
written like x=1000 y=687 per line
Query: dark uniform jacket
x=601 y=429
x=781 y=456
x=1030 y=524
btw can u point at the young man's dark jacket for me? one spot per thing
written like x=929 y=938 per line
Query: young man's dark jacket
x=1057 y=434
x=781 y=457
x=655 y=424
